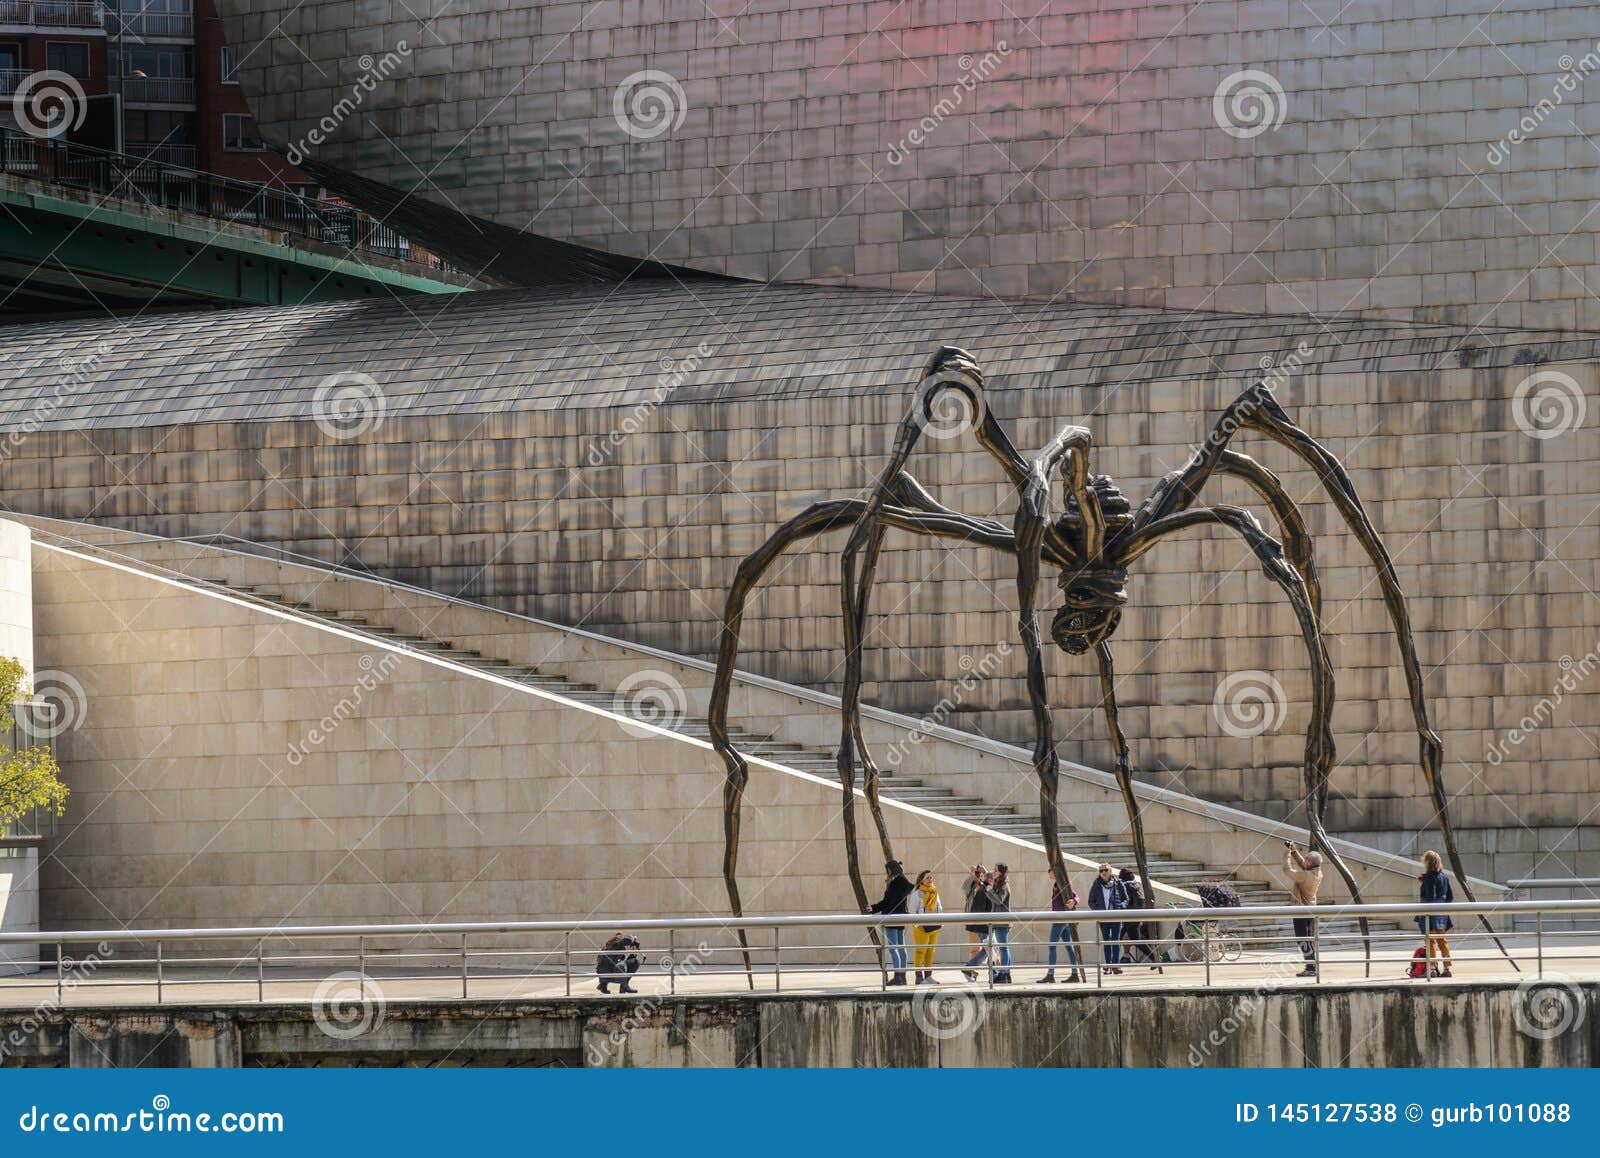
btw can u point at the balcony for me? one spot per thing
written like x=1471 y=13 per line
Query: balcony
x=168 y=154
x=10 y=78
x=143 y=25
x=50 y=13
x=157 y=90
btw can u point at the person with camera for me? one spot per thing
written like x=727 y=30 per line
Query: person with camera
x=618 y=962
x=1108 y=895
x=896 y=890
x=976 y=890
x=1304 y=870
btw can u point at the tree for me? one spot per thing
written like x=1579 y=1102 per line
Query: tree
x=28 y=776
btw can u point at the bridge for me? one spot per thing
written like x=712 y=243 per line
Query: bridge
x=85 y=229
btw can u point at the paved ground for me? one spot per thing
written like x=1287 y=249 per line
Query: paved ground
x=1575 y=956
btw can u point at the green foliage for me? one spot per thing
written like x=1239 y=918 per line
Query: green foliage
x=29 y=777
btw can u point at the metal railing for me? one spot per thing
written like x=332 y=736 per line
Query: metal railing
x=154 y=182
x=176 y=25
x=50 y=13
x=11 y=78
x=156 y=90
x=184 y=156
x=540 y=959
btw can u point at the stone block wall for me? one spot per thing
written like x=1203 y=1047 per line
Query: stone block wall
x=956 y=146
x=533 y=451
x=233 y=768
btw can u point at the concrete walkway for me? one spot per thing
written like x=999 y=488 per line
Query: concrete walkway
x=1574 y=957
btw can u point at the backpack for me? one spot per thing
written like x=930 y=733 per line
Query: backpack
x=1419 y=963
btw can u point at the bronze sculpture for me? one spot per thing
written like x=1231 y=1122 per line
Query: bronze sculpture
x=1092 y=542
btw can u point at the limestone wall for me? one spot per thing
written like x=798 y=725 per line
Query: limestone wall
x=958 y=146
x=1492 y=530
x=233 y=768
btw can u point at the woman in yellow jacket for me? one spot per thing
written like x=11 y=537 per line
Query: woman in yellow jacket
x=924 y=899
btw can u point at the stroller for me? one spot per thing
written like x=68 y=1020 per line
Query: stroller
x=1197 y=940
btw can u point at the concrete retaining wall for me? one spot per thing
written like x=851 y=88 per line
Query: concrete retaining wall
x=1397 y=1025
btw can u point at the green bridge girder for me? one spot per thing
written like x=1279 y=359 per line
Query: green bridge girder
x=63 y=250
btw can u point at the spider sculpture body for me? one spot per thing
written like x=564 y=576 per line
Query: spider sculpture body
x=1092 y=541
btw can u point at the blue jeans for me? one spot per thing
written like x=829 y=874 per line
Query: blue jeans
x=1111 y=938
x=1064 y=934
x=1001 y=934
x=896 y=936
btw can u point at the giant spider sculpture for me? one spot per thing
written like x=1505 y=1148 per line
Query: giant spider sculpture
x=1092 y=541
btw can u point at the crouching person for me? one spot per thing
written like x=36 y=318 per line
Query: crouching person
x=618 y=962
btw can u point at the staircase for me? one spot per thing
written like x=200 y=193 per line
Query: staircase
x=897 y=786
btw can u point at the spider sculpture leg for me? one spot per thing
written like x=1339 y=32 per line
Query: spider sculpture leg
x=1069 y=449
x=1319 y=745
x=1124 y=762
x=815 y=520
x=1256 y=409
x=951 y=373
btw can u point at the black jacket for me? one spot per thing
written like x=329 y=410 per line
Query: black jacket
x=894 y=896
x=1106 y=896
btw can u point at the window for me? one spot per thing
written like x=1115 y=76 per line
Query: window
x=167 y=61
x=156 y=126
x=239 y=134
x=230 y=67
x=72 y=59
x=11 y=57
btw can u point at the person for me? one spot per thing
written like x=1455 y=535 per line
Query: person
x=924 y=899
x=998 y=889
x=1137 y=935
x=1108 y=895
x=1062 y=933
x=1435 y=890
x=977 y=934
x=896 y=890
x=618 y=962
x=1304 y=870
